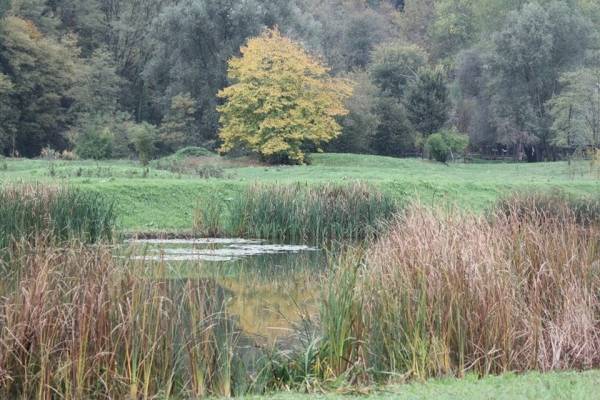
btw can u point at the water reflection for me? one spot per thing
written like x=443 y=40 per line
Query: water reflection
x=269 y=287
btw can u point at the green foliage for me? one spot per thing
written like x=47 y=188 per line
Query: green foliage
x=395 y=65
x=179 y=126
x=97 y=86
x=4 y=7
x=394 y=135
x=8 y=123
x=144 y=137
x=94 y=140
x=445 y=145
x=427 y=101
x=359 y=126
x=315 y=214
x=536 y=45
x=53 y=214
x=36 y=73
x=454 y=27
x=575 y=111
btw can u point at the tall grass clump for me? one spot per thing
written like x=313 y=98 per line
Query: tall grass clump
x=78 y=323
x=446 y=294
x=59 y=214
x=557 y=204
x=309 y=213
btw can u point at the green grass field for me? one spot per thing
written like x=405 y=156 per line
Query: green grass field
x=531 y=386
x=163 y=200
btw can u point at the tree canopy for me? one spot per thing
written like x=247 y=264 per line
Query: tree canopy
x=281 y=99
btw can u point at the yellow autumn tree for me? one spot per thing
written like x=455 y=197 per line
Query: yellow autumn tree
x=281 y=100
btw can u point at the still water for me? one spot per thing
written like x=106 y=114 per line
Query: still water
x=269 y=288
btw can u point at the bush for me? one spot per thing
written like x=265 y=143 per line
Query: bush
x=94 y=142
x=68 y=155
x=144 y=137
x=49 y=154
x=445 y=145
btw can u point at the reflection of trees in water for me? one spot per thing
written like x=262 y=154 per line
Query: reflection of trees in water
x=265 y=294
x=271 y=293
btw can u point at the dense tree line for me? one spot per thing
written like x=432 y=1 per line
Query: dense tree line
x=521 y=78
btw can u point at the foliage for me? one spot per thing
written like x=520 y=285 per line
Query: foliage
x=394 y=135
x=576 y=110
x=424 y=287
x=301 y=213
x=7 y=119
x=143 y=137
x=281 y=99
x=97 y=86
x=179 y=126
x=36 y=73
x=396 y=65
x=53 y=214
x=444 y=145
x=359 y=125
x=94 y=140
x=534 y=47
x=427 y=101
x=454 y=27
x=64 y=61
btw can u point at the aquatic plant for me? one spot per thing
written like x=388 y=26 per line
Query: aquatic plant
x=78 y=323
x=556 y=204
x=59 y=214
x=447 y=294
x=309 y=213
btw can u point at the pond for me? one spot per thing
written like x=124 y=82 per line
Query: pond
x=269 y=288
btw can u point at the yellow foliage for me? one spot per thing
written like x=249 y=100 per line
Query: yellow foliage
x=281 y=98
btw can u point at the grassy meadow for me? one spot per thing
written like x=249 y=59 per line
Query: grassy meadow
x=165 y=195
x=530 y=386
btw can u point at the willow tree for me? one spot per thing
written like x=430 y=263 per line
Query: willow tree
x=282 y=100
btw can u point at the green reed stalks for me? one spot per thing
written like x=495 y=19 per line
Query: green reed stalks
x=58 y=214
x=308 y=213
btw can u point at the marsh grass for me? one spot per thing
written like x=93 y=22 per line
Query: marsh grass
x=308 y=213
x=76 y=323
x=556 y=204
x=58 y=214
x=448 y=294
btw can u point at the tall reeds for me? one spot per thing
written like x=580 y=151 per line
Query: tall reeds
x=78 y=323
x=59 y=214
x=446 y=294
x=308 y=213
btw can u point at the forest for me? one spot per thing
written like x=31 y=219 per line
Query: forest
x=100 y=79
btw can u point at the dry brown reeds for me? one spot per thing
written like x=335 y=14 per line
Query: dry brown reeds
x=77 y=323
x=445 y=294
